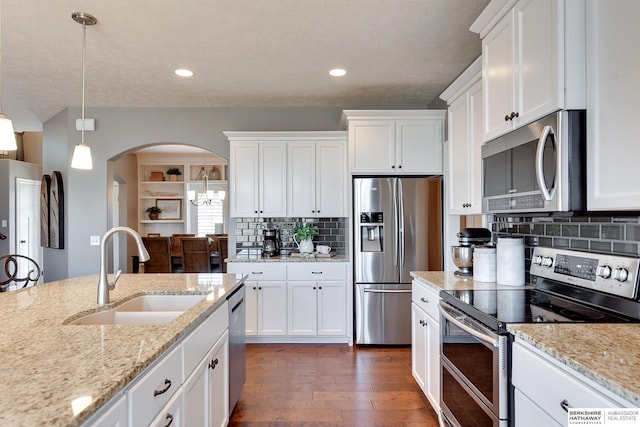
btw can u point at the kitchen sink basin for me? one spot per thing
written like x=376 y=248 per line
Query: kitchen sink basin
x=142 y=310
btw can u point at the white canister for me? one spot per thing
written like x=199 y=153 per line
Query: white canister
x=484 y=263
x=510 y=261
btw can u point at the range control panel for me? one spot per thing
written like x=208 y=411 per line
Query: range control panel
x=613 y=274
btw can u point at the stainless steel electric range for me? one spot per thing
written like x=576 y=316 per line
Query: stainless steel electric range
x=565 y=286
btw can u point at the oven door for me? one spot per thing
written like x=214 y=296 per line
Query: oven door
x=474 y=371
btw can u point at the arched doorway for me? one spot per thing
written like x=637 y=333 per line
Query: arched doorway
x=146 y=179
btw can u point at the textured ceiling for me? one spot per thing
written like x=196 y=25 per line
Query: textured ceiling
x=398 y=53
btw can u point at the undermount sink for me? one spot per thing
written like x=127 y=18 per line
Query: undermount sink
x=142 y=310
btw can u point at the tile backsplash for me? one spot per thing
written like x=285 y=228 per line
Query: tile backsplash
x=606 y=234
x=332 y=231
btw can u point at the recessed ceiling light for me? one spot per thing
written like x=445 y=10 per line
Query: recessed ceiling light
x=183 y=72
x=338 y=72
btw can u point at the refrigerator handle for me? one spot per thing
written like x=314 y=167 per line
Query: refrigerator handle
x=400 y=224
x=396 y=224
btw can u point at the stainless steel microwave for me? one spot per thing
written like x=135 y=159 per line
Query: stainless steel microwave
x=540 y=167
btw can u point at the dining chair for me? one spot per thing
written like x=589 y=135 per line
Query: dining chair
x=223 y=249
x=159 y=249
x=196 y=257
x=214 y=250
x=17 y=272
x=176 y=250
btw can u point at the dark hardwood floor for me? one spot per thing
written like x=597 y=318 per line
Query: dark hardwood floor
x=330 y=385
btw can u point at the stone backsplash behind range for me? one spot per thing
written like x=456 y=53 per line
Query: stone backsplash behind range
x=332 y=231
x=607 y=234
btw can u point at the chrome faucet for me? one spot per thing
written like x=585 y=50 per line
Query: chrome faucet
x=103 y=285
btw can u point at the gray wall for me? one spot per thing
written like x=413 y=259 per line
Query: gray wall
x=121 y=130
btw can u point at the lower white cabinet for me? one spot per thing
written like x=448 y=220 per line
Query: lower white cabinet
x=425 y=341
x=291 y=300
x=266 y=294
x=172 y=414
x=538 y=404
x=317 y=299
x=186 y=386
x=148 y=396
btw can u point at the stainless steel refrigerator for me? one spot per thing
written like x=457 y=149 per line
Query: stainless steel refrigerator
x=397 y=229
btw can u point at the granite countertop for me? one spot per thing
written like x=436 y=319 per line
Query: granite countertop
x=258 y=258
x=608 y=354
x=48 y=365
x=447 y=280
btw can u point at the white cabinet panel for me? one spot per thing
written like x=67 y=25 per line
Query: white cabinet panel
x=612 y=126
x=372 y=146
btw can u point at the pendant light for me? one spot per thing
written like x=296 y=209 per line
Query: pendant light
x=7 y=134
x=82 y=153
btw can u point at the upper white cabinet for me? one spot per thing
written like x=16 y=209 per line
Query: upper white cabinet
x=257 y=176
x=395 y=142
x=317 y=176
x=280 y=174
x=612 y=125
x=533 y=54
x=464 y=161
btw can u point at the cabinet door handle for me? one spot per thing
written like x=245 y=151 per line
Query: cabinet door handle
x=320 y=287
x=314 y=288
x=213 y=363
x=169 y=418
x=399 y=166
x=167 y=386
x=506 y=118
x=423 y=323
x=259 y=288
x=565 y=405
x=424 y=300
x=393 y=167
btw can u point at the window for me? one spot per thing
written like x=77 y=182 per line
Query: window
x=205 y=217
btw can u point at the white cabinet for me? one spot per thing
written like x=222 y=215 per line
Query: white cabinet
x=257 y=182
x=266 y=296
x=425 y=341
x=395 y=142
x=317 y=177
x=536 y=402
x=464 y=160
x=206 y=372
x=172 y=413
x=533 y=54
x=317 y=299
x=114 y=415
x=612 y=90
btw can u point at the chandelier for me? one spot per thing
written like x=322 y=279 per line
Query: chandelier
x=206 y=196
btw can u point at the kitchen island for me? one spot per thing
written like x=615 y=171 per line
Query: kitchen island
x=50 y=365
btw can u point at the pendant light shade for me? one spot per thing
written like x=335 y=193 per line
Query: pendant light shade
x=7 y=134
x=82 y=153
x=82 y=157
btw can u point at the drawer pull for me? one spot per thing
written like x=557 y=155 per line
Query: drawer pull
x=256 y=272
x=169 y=418
x=565 y=405
x=424 y=300
x=167 y=386
x=316 y=272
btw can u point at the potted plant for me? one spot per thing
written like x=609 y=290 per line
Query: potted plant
x=173 y=174
x=153 y=212
x=303 y=236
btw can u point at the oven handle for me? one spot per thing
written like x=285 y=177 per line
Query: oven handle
x=468 y=329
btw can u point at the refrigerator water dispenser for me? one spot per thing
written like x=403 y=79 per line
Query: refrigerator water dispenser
x=371 y=232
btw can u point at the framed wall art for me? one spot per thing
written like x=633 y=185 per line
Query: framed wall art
x=171 y=208
x=56 y=212
x=45 y=188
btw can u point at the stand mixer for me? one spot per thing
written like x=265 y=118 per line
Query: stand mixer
x=462 y=254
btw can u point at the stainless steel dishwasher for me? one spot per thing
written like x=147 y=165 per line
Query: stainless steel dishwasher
x=237 y=351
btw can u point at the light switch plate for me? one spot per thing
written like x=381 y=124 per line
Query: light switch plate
x=4 y=222
x=94 y=240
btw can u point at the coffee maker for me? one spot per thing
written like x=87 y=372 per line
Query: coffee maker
x=271 y=242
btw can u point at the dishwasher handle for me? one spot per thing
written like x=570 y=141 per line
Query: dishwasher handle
x=235 y=307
